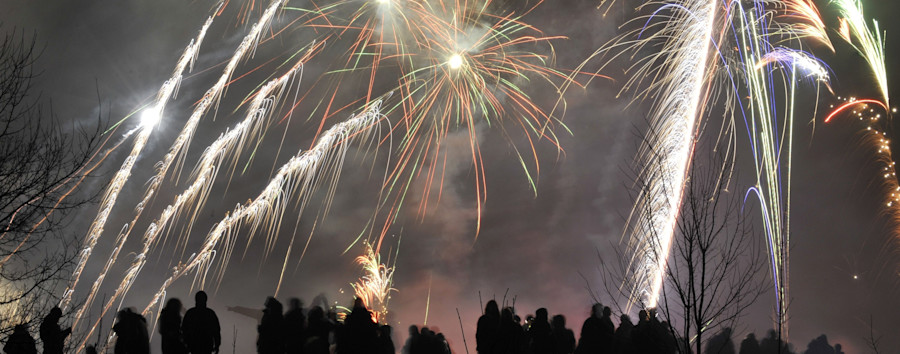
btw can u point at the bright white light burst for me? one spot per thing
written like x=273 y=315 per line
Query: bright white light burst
x=455 y=62
x=150 y=117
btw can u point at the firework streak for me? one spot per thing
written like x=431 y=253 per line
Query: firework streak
x=808 y=23
x=870 y=44
x=770 y=141
x=297 y=178
x=228 y=144
x=686 y=56
x=177 y=149
x=169 y=88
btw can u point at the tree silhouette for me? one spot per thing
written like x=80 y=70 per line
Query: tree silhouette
x=40 y=163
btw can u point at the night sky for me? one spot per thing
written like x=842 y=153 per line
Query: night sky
x=539 y=249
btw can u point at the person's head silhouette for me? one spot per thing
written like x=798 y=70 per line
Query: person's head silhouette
x=295 y=303
x=541 y=314
x=173 y=305
x=596 y=310
x=55 y=314
x=200 y=298
x=492 y=309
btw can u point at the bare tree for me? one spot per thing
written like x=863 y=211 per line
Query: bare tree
x=41 y=161
x=715 y=269
x=715 y=265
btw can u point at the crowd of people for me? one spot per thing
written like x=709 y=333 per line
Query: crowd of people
x=316 y=330
x=502 y=332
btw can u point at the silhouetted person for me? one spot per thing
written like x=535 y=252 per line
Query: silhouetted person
x=430 y=342
x=512 y=338
x=385 y=342
x=131 y=333
x=360 y=331
x=622 y=337
x=721 y=343
x=52 y=335
x=540 y=336
x=607 y=330
x=443 y=347
x=90 y=350
x=170 y=328
x=20 y=341
x=642 y=335
x=591 y=332
x=412 y=342
x=200 y=327
x=770 y=344
x=488 y=330
x=563 y=338
x=819 y=346
x=270 y=340
x=749 y=345
x=663 y=337
x=316 y=341
x=837 y=349
x=294 y=327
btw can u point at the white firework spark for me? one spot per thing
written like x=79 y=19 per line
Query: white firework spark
x=151 y=117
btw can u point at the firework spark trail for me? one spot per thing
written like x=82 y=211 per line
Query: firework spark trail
x=375 y=286
x=302 y=174
x=806 y=22
x=209 y=98
x=812 y=67
x=259 y=112
x=771 y=142
x=149 y=122
x=870 y=44
x=881 y=142
x=687 y=52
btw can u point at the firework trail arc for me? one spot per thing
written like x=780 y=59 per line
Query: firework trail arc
x=259 y=112
x=297 y=178
x=688 y=53
x=153 y=114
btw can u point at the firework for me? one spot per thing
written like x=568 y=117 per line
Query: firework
x=804 y=22
x=771 y=138
x=869 y=43
x=149 y=119
x=375 y=287
x=460 y=69
x=470 y=72
x=298 y=177
x=682 y=79
x=228 y=144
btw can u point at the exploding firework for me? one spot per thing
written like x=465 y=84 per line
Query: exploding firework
x=376 y=285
